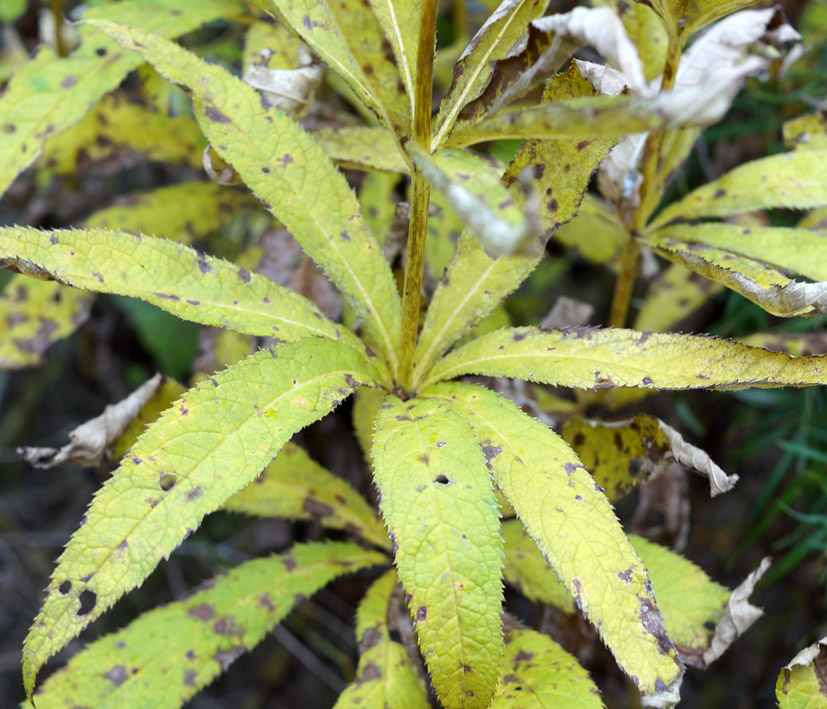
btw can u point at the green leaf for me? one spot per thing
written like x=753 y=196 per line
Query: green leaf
x=623 y=455
x=11 y=10
x=538 y=673
x=385 y=676
x=528 y=571
x=591 y=358
x=183 y=468
x=761 y=284
x=473 y=187
x=347 y=36
x=167 y=655
x=439 y=506
x=444 y=230
x=575 y=528
x=36 y=314
x=291 y=174
x=795 y=180
x=672 y=296
x=377 y=197
x=807 y=132
x=803 y=251
x=170 y=276
x=473 y=70
x=366 y=403
x=49 y=94
x=117 y=125
x=691 y=603
x=295 y=486
x=284 y=50
x=362 y=148
x=558 y=171
x=800 y=684
x=185 y=212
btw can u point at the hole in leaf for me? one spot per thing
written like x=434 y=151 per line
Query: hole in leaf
x=87 y=601
x=167 y=482
x=396 y=636
x=65 y=587
x=442 y=479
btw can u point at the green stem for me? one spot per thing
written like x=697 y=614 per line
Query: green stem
x=420 y=197
x=625 y=284
x=60 y=42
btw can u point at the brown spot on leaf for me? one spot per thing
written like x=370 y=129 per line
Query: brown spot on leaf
x=166 y=482
x=227 y=626
x=371 y=672
x=215 y=115
x=67 y=82
x=225 y=658
x=719 y=193
x=88 y=599
x=203 y=266
x=442 y=479
x=65 y=587
x=194 y=493
x=203 y=611
x=265 y=601
x=289 y=563
x=421 y=613
x=316 y=509
x=285 y=159
x=189 y=678
x=117 y=675
x=518 y=336
x=244 y=274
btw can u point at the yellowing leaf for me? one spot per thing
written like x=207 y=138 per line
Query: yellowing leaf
x=49 y=94
x=538 y=673
x=366 y=404
x=596 y=232
x=474 y=69
x=807 y=132
x=183 y=468
x=117 y=125
x=165 y=656
x=803 y=251
x=385 y=676
x=800 y=684
x=690 y=601
x=528 y=571
x=795 y=343
x=474 y=189
x=795 y=180
x=439 y=507
x=758 y=282
x=362 y=148
x=185 y=212
x=36 y=314
x=295 y=486
x=559 y=172
x=673 y=295
x=682 y=18
x=270 y=45
x=290 y=173
x=348 y=37
x=444 y=230
x=646 y=32
x=575 y=528
x=591 y=358
x=173 y=277
x=623 y=455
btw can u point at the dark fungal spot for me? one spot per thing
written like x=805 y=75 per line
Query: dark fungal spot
x=285 y=159
x=9 y=128
x=442 y=479
x=317 y=509
x=583 y=144
x=189 y=678
x=569 y=468
x=647 y=381
x=190 y=655
x=101 y=51
x=625 y=576
x=215 y=115
x=88 y=599
x=518 y=336
x=439 y=444
x=371 y=672
x=424 y=459
x=718 y=194
x=203 y=266
x=265 y=601
x=290 y=563
x=122 y=547
x=65 y=587
x=226 y=626
x=203 y=611
x=193 y=494
x=225 y=658
x=579 y=439
x=421 y=613
x=552 y=205
x=117 y=675
x=345 y=236
x=85 y=579
x=166 y=482
x=67 y=82
x=244 y=274
x=52 y=239
x=579 y=498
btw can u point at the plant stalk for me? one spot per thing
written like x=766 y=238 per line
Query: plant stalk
x=624 y=285
x=420 y=197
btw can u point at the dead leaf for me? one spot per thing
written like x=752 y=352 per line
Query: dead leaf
x=567 y=312
x=738 y=616
x=291 y=91
x=89 y=441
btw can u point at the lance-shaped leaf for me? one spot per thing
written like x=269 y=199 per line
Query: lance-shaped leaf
x=591 y=358
x=291 y=174
x=575 y=528
x=691 y=603
x=758 y=282
x=49 y=94
x=802 y=251
x=117 y=125
x=796 y=180
x=348 y=37
x=474 y=189
x=385 y=676
x=610 y=116
x=528 y=571
x=36 y=314
x=796 y=343
x=295 y=486
x=549 y=43
x=184 y=467
x=173 y=277
x=400 y=21
x=682 y=18
x=807 y=132
x=185 y=212
x=362 y=148
x=558 y=170
x=672 y=296
x=167 y=655
x=801 y=684
x=473 y=71
x=538 y=673
x=623 y=455
x=439 y=506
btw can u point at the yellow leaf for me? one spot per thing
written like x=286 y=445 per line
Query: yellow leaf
x=439 y=507
x=800 y=684
x=672 y=296
x=596 y=232
x=807 y=132
x=362 y=148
